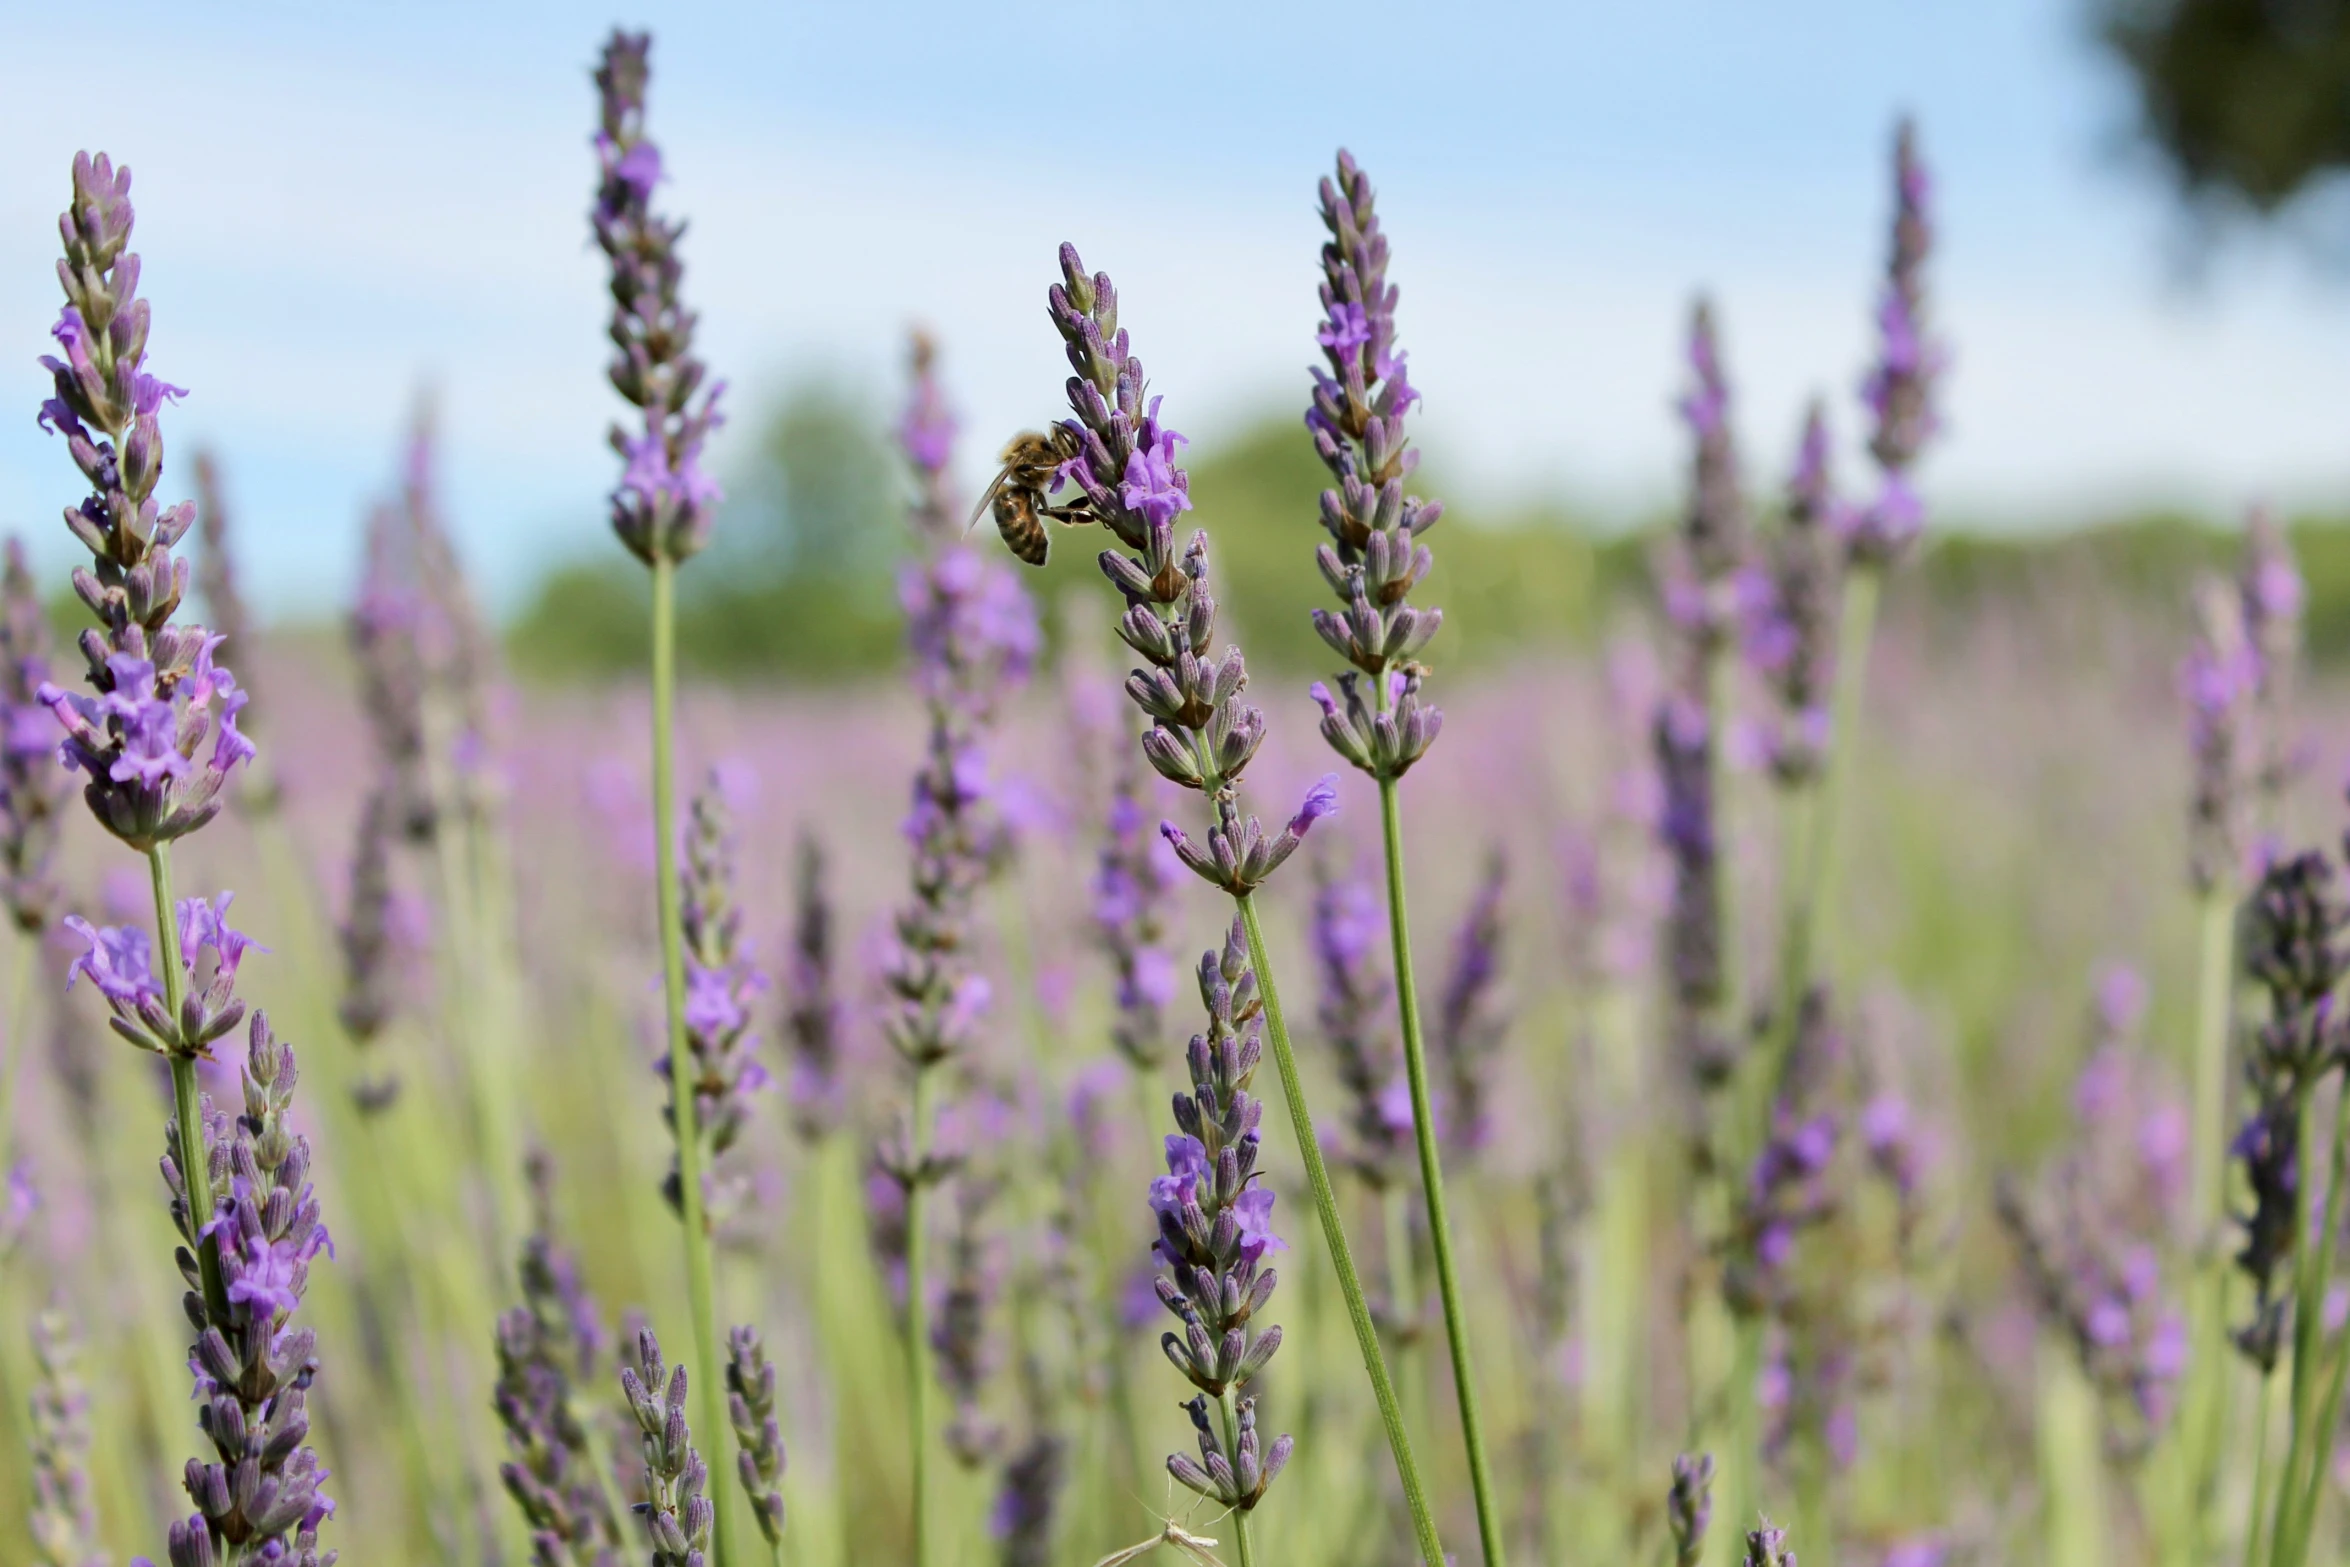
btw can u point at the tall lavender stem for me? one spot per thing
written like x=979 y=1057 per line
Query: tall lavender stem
x=1201 y=736
x=662 y=511
x=1372 y=561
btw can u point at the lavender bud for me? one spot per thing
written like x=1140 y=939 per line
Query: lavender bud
x=1689 y=1506
x=1899 y=390
x=750 y=1404
x=677 y=1514
x=1470 y=1024
x=812 y=1016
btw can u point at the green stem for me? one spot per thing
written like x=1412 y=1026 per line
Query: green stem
x=1232 y=1445
x=1350 y=1283
x=2214 y=992
x=1403 y=1302
x=187 y=1096
x=918 y=1316
x=2259 y=1477
x=1415 y=1064
x=710 y=1417
x=2313 y=1440
x=20 y=962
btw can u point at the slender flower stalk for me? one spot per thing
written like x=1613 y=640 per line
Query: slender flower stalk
x=1201 y=735
x=32 y=791
x=63 y=1520
x=973 y=636
x=1372 y=560
x=1215 y=1230
x=662 y=511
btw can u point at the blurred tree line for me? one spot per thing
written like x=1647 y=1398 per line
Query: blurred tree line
x=800 y=584
x=2246 y=102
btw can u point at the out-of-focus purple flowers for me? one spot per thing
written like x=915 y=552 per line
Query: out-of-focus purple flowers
x=666 y=500
x=2295 y=949
x=1215 y=1229
x=812 y=1012
x=1689 y=1506
x=1372 y=559
x=31 y=783
x=1791 y=619
x=63 y=1518
x=1695 y=978
x=1202 y=735
x=1899 y=389
x=259 y=1493
x=1355 y=1009
x=1471 y=1021
x=1701 y=581
x=722 y=990
x=2269 y=586
x=2218 y=679
x=2101 y=1231
x=959 y=1321
x=1131 y=892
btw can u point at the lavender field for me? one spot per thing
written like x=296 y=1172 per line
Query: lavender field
x=1780 y=1067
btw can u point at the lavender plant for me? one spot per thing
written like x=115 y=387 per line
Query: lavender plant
x=548 y=1349
x=973 y=636
x=1215 y=1230
x=1689 y=1506
x=32 y=789
x=1130 y=896
x=1372 y=561
x=1471 y=1023
x=678 y=1513
x=722 y=990
x=370 y=971
x=758 y=1434
x=224 y=603
x=812 y=1013
x=662 y=510
x=63 y=1521
x=1201 y=735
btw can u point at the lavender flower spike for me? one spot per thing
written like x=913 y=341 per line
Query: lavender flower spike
x=368 y=1001
x=812 y=1015
x=258 y=1499
x=1215 y=1229
x=224 y=600
x=1353 y=1008
x=666 y=501
x=750 y=1408
x=1373 y=558
x=1470 y=1024
x=2219 y=679
x=1790 y=635
x=1689 y=1506
x=1130 y=897
x=141 y=740
x=677 y=1510
x=1767 y=1547
x=30 y=782
x=1899 y=390
x=547 y=1351
x=1202 y=735
x=63 y=1520
x=721 y=994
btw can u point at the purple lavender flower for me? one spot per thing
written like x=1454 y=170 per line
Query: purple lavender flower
x=666 y=501
x=141 y=740
x=1202 y=736
x=1899 y=389
x=1790 y=632
x=2294 y=948
x=367 y=936
x=1713 y=545
x=812 y=1015
x=750 y=1409
x=1470 y=1020
x=1130 y=897
x=722 y=990
x=1689 y=1506
x=1355 y=1007
x=2269 y=585
x=1790 y=1187
x=1767 y=1547
x=959 y=1327
x=259 y=1498
x=1028 y=1501
x=224 y=603
x=30 y=783
x=677 y=1510
x=548 y=1348
x=2218 y=679
x=1373 y=558
x=63 y=1519
x=1693 y=933
x=117 y=963
x=1214 y=1232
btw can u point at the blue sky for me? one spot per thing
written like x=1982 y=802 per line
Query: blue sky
x=340 y=204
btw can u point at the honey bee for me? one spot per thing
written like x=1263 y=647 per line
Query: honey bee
x=1017 y=494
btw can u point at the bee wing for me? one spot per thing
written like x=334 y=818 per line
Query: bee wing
x=987 y=498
